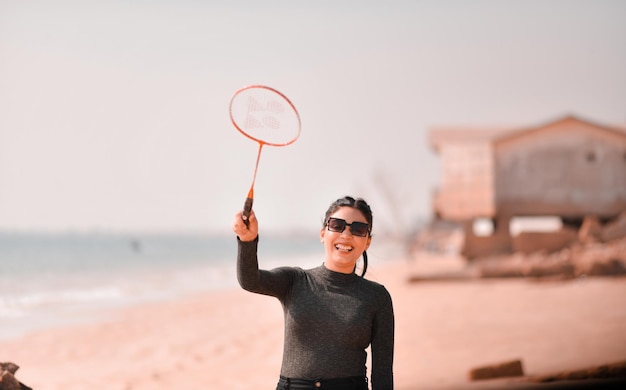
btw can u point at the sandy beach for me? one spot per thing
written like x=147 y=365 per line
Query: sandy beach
x=232 y=339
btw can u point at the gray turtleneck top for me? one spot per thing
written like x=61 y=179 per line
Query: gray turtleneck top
x=330 y=319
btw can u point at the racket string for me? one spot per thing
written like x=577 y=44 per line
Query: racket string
x=265 y=115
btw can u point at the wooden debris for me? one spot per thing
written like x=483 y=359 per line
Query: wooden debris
x=505 y=369
x=613 y=370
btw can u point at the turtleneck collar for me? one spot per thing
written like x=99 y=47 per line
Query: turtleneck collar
x=335 y=277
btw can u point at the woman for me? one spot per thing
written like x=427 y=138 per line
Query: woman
x=331 y=314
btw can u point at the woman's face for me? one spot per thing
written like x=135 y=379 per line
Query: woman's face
x=344 y=249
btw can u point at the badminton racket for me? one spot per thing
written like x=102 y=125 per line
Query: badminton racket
x=266 y=116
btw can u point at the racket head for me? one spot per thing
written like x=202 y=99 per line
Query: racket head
x=265 y=115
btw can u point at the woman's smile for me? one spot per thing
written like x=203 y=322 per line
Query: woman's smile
x=344 y=248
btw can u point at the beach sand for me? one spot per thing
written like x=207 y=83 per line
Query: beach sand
x=233 y=339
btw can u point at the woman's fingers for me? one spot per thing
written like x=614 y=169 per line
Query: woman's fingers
x=245 y=233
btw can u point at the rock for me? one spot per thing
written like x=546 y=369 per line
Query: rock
x=10 y=367
x=615 y=230
x=590 y=231
x=8 y=381
x=7 y=377
x=610 y=267
x=500 y=370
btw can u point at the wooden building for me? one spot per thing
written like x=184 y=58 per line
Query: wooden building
x=570 y=167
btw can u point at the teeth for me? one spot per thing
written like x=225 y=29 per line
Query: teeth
x=343 y=247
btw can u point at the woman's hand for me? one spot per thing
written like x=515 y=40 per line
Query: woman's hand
x=246 y=233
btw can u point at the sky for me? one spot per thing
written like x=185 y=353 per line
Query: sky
x=114 y=114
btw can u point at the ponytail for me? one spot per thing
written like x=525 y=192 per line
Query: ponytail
x=364 y=263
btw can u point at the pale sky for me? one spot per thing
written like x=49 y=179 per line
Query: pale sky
x=114 y=114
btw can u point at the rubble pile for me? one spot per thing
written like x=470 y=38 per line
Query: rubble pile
x=579 y=259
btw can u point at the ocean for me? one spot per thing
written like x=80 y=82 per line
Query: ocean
x=49 y=280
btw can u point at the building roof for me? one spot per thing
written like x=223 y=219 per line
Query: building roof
x=619 y=131
x=439 y=136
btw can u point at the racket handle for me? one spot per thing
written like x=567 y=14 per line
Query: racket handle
x=247 y=208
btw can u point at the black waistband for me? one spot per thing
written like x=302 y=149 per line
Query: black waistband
x=326 y=382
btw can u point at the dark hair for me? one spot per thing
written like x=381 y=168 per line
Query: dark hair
x=359 y=204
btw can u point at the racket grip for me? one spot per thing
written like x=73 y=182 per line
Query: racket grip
x=247 y=208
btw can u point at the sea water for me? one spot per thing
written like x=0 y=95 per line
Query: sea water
x=49 y=280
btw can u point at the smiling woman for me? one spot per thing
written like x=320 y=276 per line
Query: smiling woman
x=342 y=249
x=332 y=315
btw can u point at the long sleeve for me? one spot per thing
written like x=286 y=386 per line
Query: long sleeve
x=248 y=264
x=383 y=345
x=275 y=282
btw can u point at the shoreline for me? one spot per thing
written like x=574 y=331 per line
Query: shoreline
x=232 y=339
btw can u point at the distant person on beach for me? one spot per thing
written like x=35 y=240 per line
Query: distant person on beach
x=331 y=314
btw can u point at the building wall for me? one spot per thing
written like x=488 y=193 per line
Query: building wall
x=466 y=189
x=570 y=168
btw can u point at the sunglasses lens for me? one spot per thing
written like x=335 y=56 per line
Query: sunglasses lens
x=336 y=225
x=359 y=229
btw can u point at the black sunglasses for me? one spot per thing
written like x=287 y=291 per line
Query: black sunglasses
x=338 y=225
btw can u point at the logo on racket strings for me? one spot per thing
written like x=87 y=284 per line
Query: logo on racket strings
x=263 y=114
